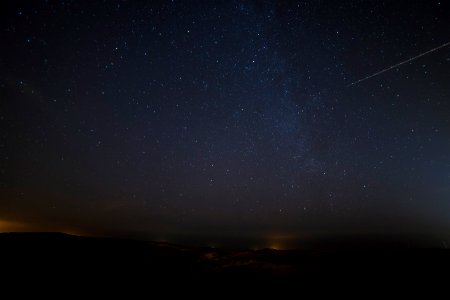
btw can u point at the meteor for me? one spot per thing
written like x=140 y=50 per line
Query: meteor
x=399 y=64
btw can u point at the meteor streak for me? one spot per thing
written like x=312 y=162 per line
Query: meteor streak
x=399 y=64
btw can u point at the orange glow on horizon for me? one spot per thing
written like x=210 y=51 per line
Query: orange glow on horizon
x=17 y=226
x=279 y=241
x=11 y=226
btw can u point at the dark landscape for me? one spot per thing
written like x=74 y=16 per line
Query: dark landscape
x=63 y=258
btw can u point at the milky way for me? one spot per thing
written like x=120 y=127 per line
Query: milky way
x=228 y=118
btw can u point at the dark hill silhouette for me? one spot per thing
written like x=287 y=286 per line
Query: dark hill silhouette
x=63 y=258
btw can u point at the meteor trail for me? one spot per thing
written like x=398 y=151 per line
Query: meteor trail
x=399 y=64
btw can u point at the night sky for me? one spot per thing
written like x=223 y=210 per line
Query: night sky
x=228 y=118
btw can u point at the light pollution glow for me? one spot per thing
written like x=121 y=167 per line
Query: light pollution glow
x=17 y=226
x=10 y=226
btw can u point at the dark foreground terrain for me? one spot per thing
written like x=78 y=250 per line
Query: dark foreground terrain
x=61 y=259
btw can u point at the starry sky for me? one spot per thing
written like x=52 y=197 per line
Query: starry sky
x=224 y=118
